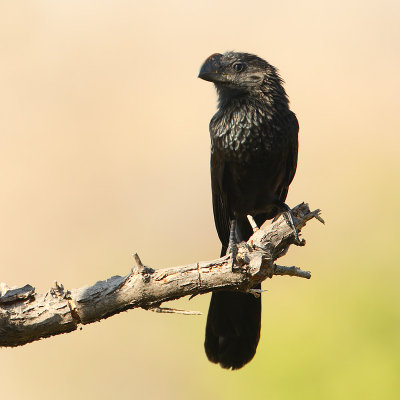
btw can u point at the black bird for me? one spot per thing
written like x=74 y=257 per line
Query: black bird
x=253 y=161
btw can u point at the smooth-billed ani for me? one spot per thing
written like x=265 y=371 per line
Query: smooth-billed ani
x=253 y=161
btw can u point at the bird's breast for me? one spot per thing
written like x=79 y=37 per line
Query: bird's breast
x=243 y=135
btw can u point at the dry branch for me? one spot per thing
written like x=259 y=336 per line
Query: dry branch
x=26 y=316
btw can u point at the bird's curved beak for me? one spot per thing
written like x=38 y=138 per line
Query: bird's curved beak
x=211 y=69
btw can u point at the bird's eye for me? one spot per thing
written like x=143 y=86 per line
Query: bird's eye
x=238 y=67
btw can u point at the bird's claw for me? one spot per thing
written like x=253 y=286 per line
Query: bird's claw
x=297 y=240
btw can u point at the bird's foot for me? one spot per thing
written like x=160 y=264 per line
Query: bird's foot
x=288 y=215
x=233 y=251
x=232 y=246
x=286 y=211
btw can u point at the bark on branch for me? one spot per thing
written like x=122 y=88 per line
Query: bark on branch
x=26 y=316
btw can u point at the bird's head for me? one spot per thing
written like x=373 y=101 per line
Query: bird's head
x=240 y=72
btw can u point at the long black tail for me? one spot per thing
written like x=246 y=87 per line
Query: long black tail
x=234 y=320
x=233 y=328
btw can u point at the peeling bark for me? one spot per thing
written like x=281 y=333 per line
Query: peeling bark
x=26 y=316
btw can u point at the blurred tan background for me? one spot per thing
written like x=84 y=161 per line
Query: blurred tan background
x=104 y=142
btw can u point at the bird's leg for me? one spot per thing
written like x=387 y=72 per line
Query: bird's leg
x=253 y=223
x=232 y=247
x=288 y=215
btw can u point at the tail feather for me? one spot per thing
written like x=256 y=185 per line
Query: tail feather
x=234 y=318
x=233 y=328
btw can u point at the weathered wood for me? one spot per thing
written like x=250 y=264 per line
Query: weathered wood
x=26 y=316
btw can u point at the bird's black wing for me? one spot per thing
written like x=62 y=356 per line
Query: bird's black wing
x=292 y=130
x=219 y=201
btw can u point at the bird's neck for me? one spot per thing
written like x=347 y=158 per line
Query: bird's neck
x=232 y=96
x=274 y=99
